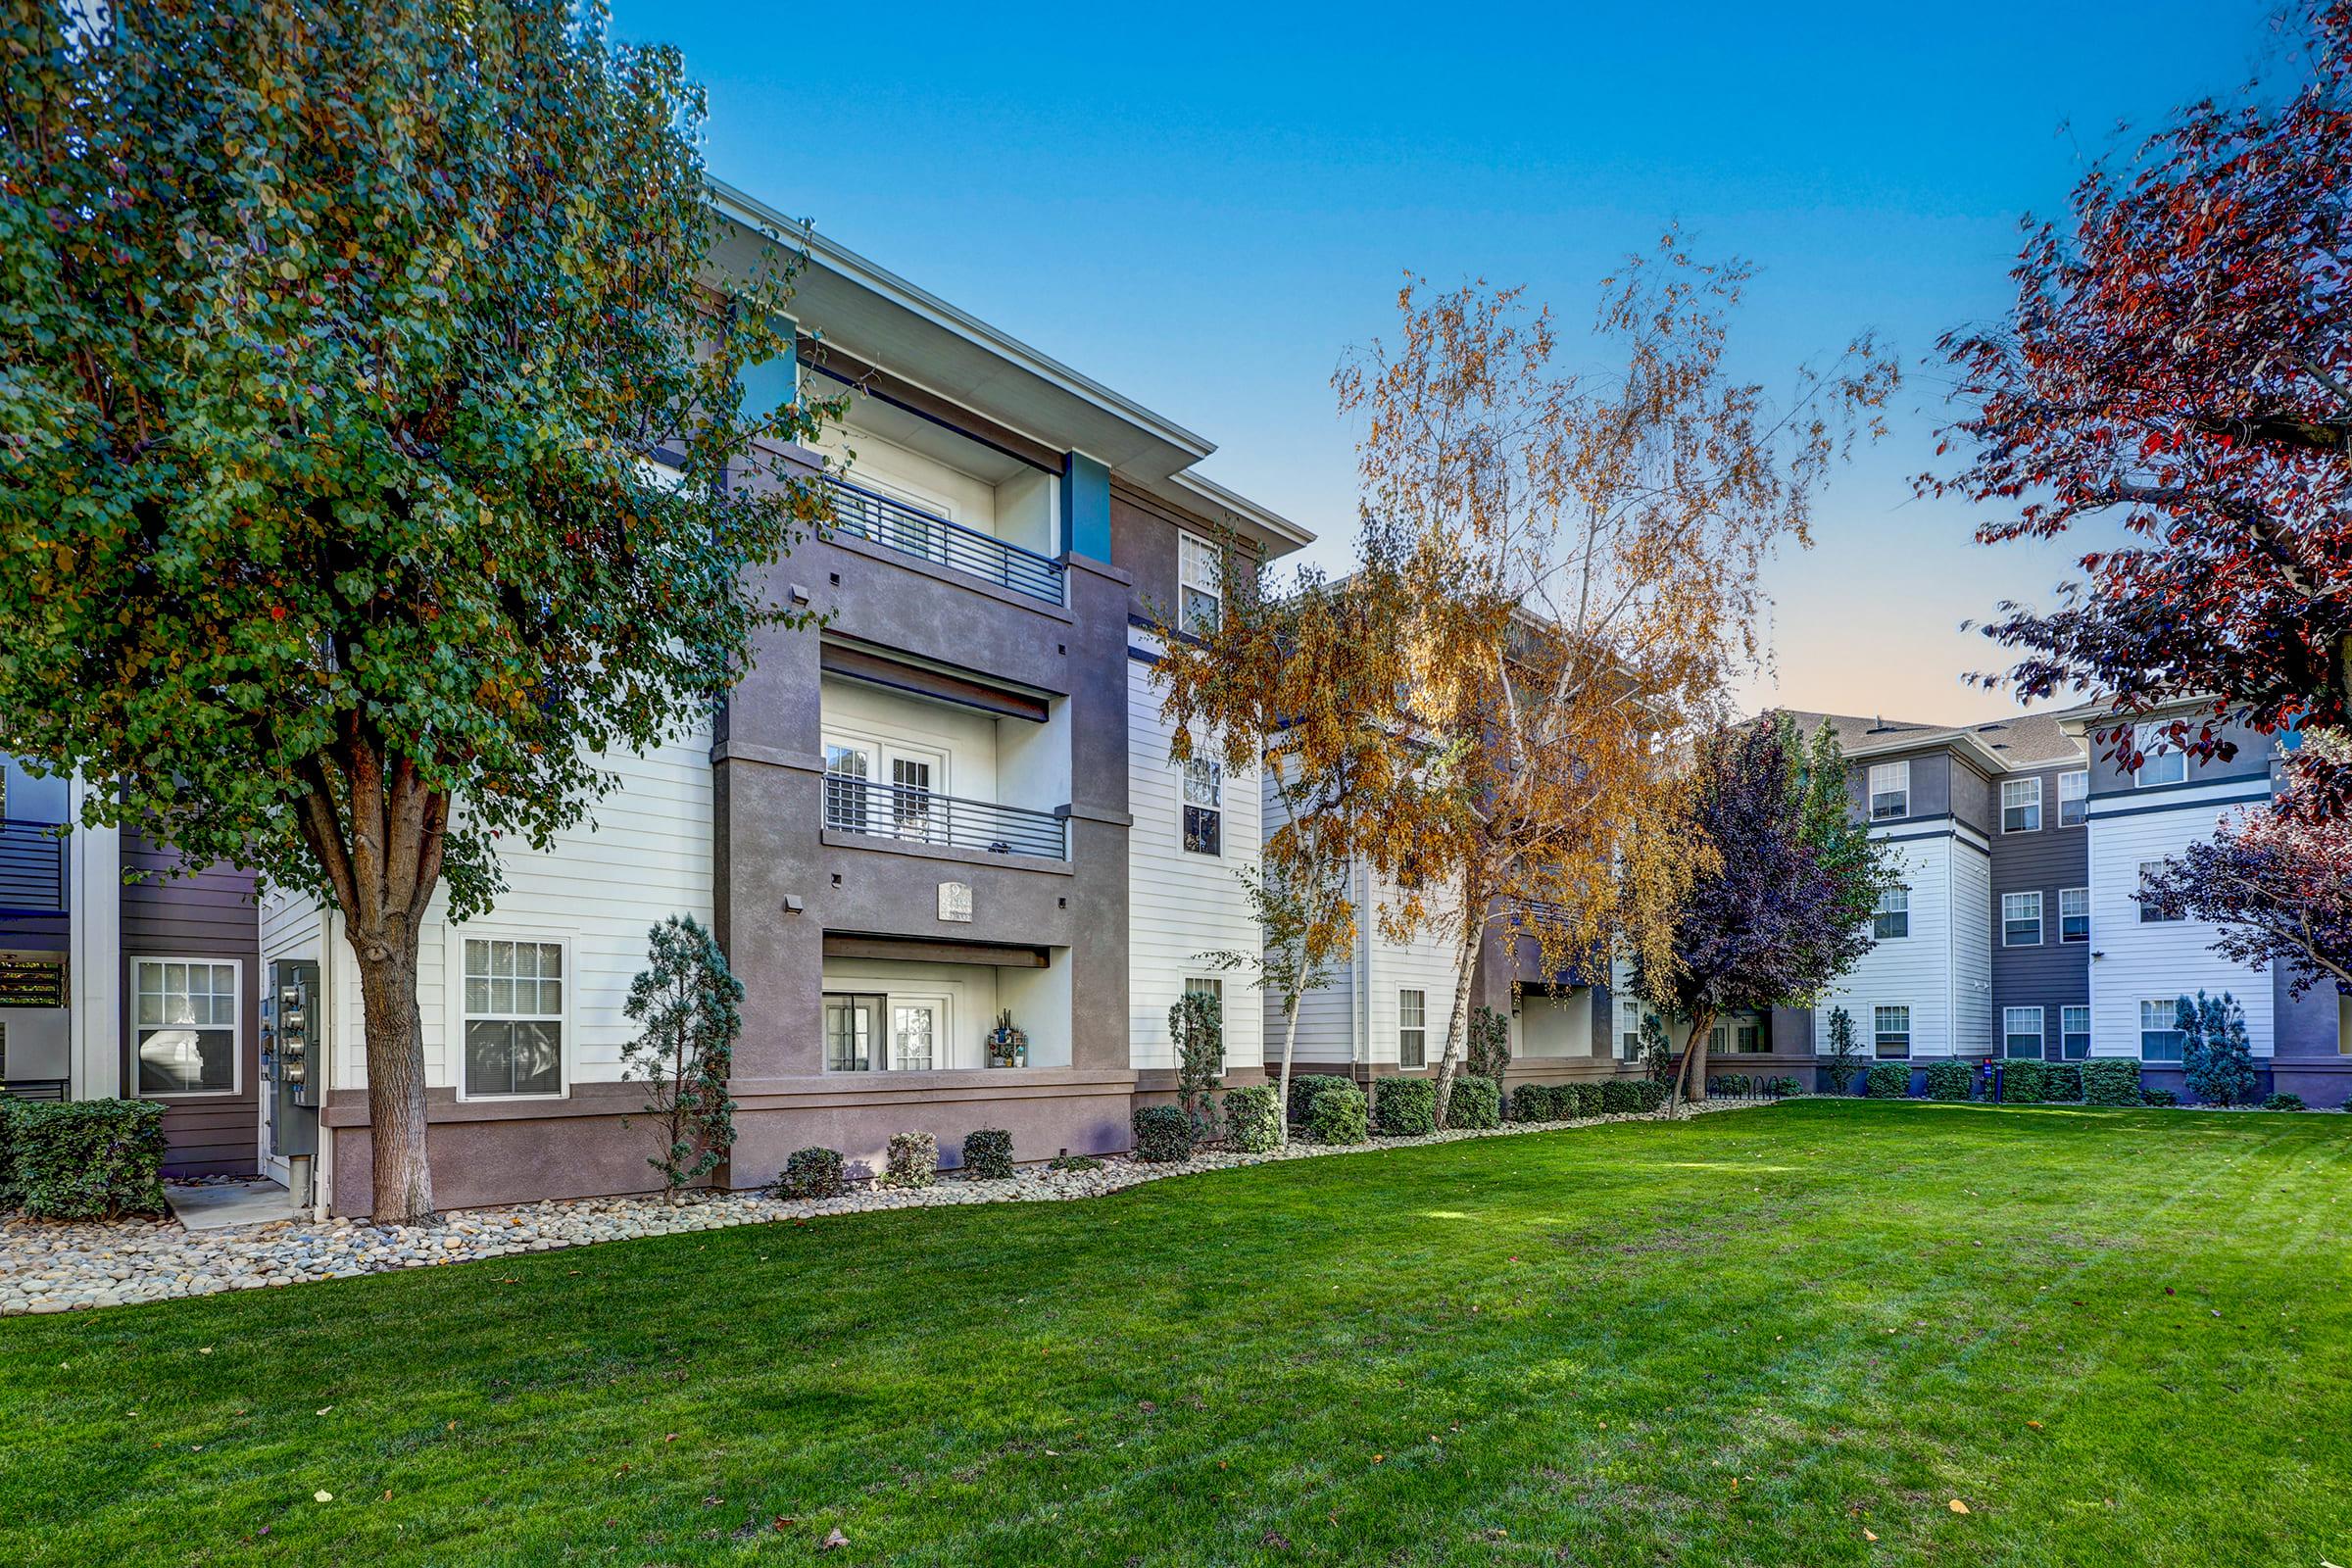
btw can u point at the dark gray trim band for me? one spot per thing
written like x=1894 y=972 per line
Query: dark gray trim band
x=2180 y=806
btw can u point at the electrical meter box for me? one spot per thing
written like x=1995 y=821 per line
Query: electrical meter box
x=291 y=1048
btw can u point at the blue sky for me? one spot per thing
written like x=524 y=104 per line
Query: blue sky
x=1204 y=209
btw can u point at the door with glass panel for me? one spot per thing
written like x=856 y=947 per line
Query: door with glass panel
x=911 y=786
x=918 y=1030
x=852 y=1033
x=850 y=768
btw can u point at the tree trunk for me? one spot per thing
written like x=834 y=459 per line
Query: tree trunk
x=1695 y=1063
x=402 y=1178
x=1290 y=1033
x=1465 y=971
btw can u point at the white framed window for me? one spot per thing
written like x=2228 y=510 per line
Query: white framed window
x=2159 y=1038
x=853 y=1030
x=1751 y=1039
x=918 y=1034
x=2074 y=1033
x=1890 y=1032
x=1200 y=583
x=2021 y=1031
x=887 y=791
x=1412 y=1028
x=2021 y=805
x=1891 y=921
x=2160 y=761
x=187 y=1026
x=1628 y=1029
x=2154 y=913
x=2073 y=798
x=514 y=992
x=1203 y=807
x=1719 y=1038
x=1889 y=789
x=2073 y=914
x=2021 y=919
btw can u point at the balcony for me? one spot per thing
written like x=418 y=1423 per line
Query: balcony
x=924 y=816
x=869 y=514
x=32 y=867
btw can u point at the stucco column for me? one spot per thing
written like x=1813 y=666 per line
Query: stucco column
x=94 y=955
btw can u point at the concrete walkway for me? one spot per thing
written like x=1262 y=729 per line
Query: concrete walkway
x=225 y=1205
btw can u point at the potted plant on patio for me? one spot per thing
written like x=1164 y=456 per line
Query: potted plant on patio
x=1007 y=1047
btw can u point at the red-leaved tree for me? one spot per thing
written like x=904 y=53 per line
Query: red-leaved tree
x=2179 y=361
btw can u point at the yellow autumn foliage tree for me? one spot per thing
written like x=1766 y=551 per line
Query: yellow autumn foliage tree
x=1558 y=586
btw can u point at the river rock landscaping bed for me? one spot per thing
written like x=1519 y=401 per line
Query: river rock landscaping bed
x=49 y=1267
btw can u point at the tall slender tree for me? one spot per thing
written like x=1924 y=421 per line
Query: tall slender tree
x=342 y=344
x=2175 y=378
x=1786 y=908
x=1558 y=579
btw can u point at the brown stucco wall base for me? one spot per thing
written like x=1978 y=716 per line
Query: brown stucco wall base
x=518 y=1152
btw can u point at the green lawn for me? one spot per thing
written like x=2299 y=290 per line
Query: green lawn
x=2118 y=1337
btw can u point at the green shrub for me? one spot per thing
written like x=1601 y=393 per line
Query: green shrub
x=84 y=1158
x=2062 y=1080
x=1621 y=1097
x=1580 y=1102
x=1304 y=1086
x=1950 y=1080
x=1730 y=1086
x=2160 y=1096
x=1785 y=1085
x=1474 y=1103
x=2282 y=1101
x=911 y=1160
x=988 y=1154
x=1408 y=1108
x=1532 y=1102
x=1649 y=1094
x=810 y=1173
x=1888 y=1080
x=2024 y=1082
x=1252 y=1118
x=1074 y=1162
x=1338 y=1113
x=1163 y=1133
x=2111 y=1083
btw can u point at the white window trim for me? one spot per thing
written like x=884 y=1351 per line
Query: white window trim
x=1629 y=1041
x=453 y=989
x=1900 y=890
x=2148 y=736
x=236 y=1054
x=1213 y=589
x=2040 y=924
x=2082 y=793
x=2171 y=1004
x=1423 y=993
x=2063 y=1031
x=943 y=1044
x=2039 y=1032
x=2140 y=880
x=2007 y=785
x=1910 y=1032
x=1185 y=802
x=1899 y=771
x=2063 y=938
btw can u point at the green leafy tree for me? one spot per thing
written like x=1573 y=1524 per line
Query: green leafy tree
x=342 y=343
x=1845 y=1053
x=1489 y=1053
x=1658 y=1052
x=689 y=1007
x=1196 y=1025
x=2217 y=1059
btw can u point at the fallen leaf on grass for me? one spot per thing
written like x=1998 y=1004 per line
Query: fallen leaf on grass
x=833 y=1541
x=329 y=1407
x=1958 y=1506
x=1870 y=1535
x=322 y=1496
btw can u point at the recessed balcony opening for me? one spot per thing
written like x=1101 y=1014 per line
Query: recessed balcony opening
x=899 y=479
x=881 y=1014
x=932 y=769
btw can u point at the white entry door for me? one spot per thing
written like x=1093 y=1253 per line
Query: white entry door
x=918 y=1029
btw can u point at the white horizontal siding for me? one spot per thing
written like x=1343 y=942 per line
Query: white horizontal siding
x=1181 y=906
x=1971 y=950
x=1916 y=970
x=1326 y=1015
x=2132 y=961
x=600 y=888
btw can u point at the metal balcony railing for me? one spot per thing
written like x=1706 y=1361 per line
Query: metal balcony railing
x=924 y=816
x=32 y=867
x=864 y=514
